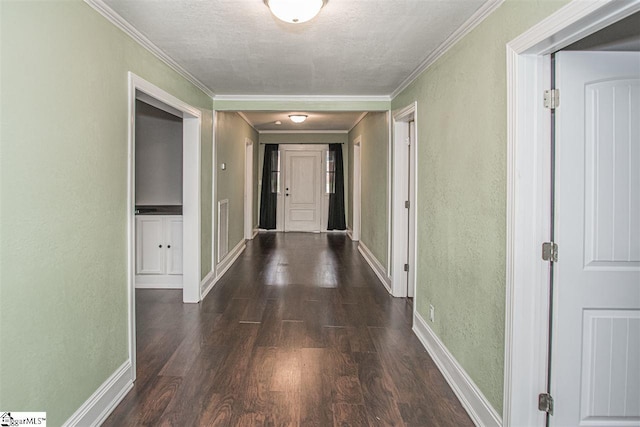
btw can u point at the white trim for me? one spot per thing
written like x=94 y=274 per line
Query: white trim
x=112 y=16
x=375 y=265
x=103 y=401
x=248 y=189
x=305 y=98
x=400 y=191
x=255 y=233
x=356 y=196
x=528 y=197
x=350 y=233
x=470 y=396
x=474 y=20
x=231 y=257
x=158 y=281
x=214 y=190
x=389 y=195
x=303 y=131
x=207 y=283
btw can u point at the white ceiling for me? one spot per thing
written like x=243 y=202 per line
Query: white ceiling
x=352 y=48
x=316 y=120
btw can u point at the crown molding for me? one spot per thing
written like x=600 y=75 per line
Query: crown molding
x=302 y=131
x=299 y=98
x=474 y=20
x=103 y=9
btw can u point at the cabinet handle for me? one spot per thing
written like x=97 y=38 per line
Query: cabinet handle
x=168 y=246
x=160 y=246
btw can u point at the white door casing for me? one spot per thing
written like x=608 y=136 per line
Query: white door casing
x=357 y=186
x=302 y=191
x=248 y=189
x=403 y=242
x=595 y=360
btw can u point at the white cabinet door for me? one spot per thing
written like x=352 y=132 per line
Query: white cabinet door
x=149 y=245
x=173 y=239
x=595 y=365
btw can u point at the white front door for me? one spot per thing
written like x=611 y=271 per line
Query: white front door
x=302 y=202
x=595 y=344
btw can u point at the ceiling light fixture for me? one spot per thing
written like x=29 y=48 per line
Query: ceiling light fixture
x=295 y=11
x=298 y=118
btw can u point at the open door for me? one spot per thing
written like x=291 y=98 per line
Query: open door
x=595 y=333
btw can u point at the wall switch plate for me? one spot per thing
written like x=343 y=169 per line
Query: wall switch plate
x=431 y=313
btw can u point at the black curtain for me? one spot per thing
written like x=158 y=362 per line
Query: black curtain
x=270 y=182
x=336 y=198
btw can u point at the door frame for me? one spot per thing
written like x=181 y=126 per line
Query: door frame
x=403 y=226
x=529 y=197
x=248 y=189
x=191 y=130
x=357 y=189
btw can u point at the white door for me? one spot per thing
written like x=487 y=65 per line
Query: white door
x=302 y=202
x=173 y=239
x=149 y=245
x=595 y=344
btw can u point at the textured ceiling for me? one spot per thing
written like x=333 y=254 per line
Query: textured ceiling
x=317 y=121
x=353 y=47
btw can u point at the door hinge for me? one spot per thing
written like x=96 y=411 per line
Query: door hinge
x=407 y=203
x=550 y=251
x=552 y=98
x=407 y=141
x=406 y=267
x=545 y=403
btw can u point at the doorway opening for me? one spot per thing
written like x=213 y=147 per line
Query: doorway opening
x=403 y=235
x=190 y=244
x=529 y=202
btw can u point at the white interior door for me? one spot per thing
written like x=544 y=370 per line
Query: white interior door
x=302 y=200
x=595 y=356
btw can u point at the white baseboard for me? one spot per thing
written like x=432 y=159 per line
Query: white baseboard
x=350 y=233
x=470 y=396
x=375 y=265
x=158 y=281
x=103 y=401
x=207 y=284
x=231 y=257
x=255 y=233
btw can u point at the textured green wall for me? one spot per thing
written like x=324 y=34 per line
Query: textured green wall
x=63 y=186
x=374 y=198
x=303 y=138
x=231 y=131
x=462 y=130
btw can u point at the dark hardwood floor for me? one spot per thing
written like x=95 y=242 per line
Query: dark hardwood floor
x=298 y=332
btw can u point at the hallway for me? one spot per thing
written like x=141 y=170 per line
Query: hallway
x=299 y=331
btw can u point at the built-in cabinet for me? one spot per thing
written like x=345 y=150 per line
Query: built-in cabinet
x=158 y=251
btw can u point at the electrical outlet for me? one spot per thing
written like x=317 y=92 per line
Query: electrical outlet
x=431 y=313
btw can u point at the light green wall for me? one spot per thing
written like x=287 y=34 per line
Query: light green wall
x=374 y=198
x=303 y=138
x=461 y=190
x=231 y=131
x=302 y=105
x=63 y=186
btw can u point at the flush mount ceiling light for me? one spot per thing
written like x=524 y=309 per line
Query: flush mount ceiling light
x=298 y=118
x=295 y=11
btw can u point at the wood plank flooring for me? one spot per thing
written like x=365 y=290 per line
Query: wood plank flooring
x=299 y=332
